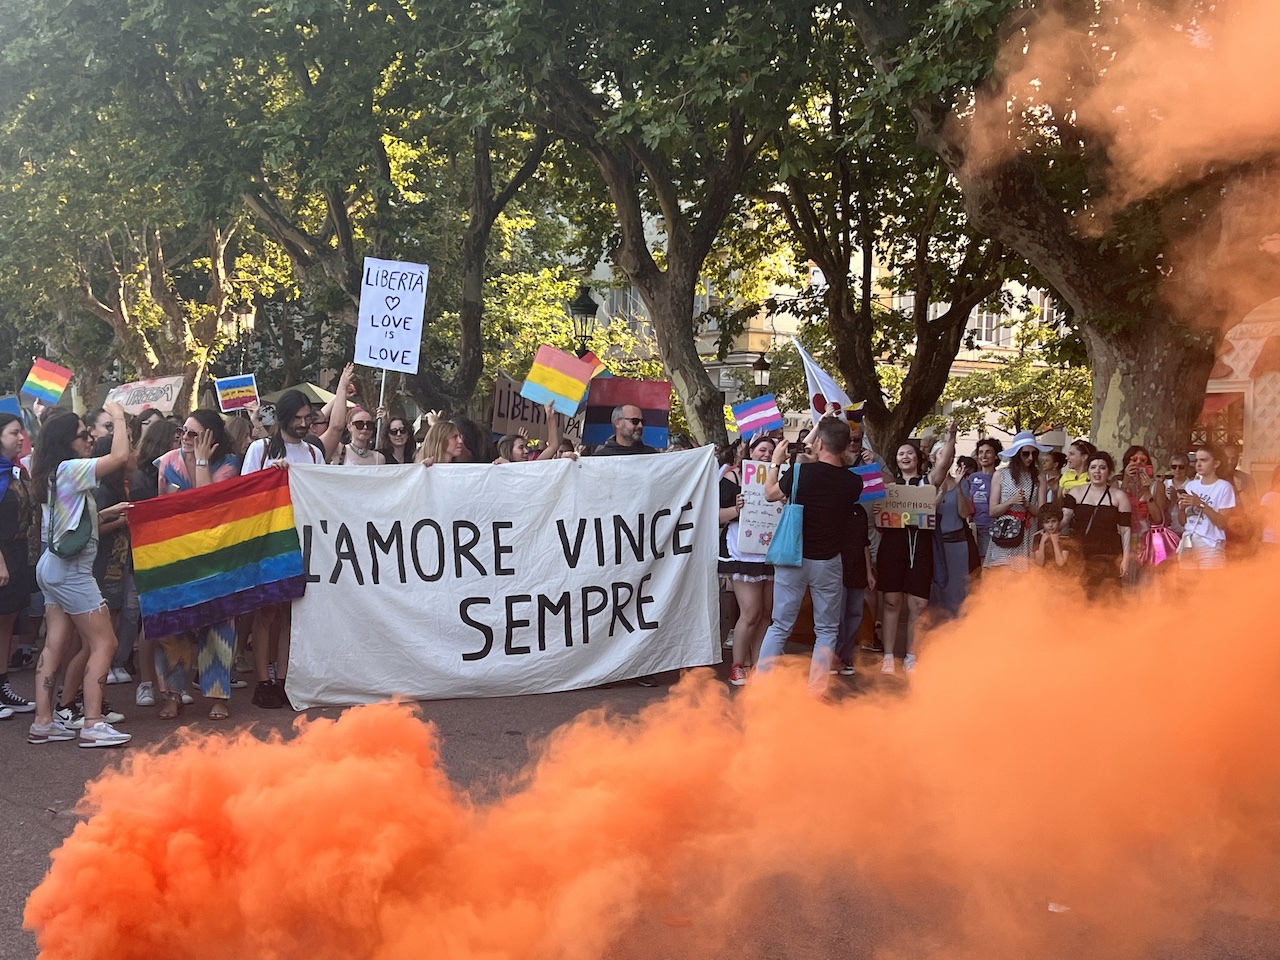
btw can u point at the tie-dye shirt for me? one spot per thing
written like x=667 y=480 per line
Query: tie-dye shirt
x=74 y=480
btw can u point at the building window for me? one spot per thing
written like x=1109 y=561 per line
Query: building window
x=989 y=329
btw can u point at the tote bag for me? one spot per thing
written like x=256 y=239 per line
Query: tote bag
x=786 y=549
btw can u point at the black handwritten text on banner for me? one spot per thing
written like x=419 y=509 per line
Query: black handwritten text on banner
x=464 y=580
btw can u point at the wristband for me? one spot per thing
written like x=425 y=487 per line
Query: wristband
x=202 y=463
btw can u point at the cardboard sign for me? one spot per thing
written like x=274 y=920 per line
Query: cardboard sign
x=393 y=299
x=512 y=412
x=759 y=518
x=159 y=393
x=236 y=392
x=907 y=506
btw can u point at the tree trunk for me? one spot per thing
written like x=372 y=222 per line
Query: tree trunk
x=669 y=298
x=1148 y=386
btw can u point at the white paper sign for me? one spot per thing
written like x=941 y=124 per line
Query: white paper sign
x=160 y=393
x=393 y=298
x=759 y=517
x=473 y=580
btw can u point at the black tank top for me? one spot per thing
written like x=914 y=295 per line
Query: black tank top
x=1098 y=524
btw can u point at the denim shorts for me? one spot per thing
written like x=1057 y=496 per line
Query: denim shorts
x=69 y=584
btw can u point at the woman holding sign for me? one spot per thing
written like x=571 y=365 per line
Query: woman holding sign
x=904 y=565
x=751 y=577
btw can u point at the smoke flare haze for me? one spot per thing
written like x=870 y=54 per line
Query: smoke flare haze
x=1110 y=759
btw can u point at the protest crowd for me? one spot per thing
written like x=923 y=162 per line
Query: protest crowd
x=67 y=586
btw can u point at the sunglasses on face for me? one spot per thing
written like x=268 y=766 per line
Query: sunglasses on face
x=397 y=431
x=1028 y=453
x=634 y=421
x=361 y=424
x=1177 y=466
x=190 y=434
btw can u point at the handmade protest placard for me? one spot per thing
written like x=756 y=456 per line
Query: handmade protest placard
x=759 y=517
x=513 y=413
x=158 y=393
x=236 y=392
x=393 y=299
x=472 y=581
x=907 y=506
x=47 y=381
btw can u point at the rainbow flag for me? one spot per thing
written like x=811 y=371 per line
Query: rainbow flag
x=557 y=377
x=215 y=552
x=47 y=381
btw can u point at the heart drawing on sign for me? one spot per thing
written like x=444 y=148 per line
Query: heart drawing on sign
x=393 y=302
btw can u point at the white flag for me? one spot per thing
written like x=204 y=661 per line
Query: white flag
x=822 y=389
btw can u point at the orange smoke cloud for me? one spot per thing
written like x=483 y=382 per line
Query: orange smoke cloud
x=1120 y=761
x=1170 y=89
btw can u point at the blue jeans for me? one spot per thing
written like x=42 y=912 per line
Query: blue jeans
x=850 y=621
x=825 y=581
x=984 y=541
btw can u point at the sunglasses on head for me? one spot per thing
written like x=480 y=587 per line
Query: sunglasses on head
x=635 y=421
x=361 y=424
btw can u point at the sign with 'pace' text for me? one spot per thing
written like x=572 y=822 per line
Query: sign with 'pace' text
x=759 y=518
x=393 y=298
x=470 y=580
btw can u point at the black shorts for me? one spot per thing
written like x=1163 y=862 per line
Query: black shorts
x=898 y=569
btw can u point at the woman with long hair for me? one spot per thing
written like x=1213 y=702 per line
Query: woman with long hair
x=63 y=475
x=15 y=569
x=977 y=487
x=904 y=564
x=951 y=551
x=113 y=567
x=203 y=457
x=1076 y=472
x=359 y=451
x=750 y=577
x=1137 y=479
x=144 y=484
x=1019 y=491
x=1101 y=521
x=399 y=445
x=442 y=444
x=476 y=445
x=514 y=447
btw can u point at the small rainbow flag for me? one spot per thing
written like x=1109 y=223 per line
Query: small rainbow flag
x=872 y=482
x=758 y=416
x=215 y=552
x=558 y=377
x=47 y=381
x=236 y=392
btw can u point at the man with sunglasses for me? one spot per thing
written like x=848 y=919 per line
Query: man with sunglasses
x=628 y=433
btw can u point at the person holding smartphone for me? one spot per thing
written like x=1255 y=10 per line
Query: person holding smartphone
x=1138 y=481
x=1203 y=508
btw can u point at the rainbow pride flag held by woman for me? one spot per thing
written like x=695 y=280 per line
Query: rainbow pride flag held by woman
x=215 y=552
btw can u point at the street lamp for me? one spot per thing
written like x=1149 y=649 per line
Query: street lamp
x=760 y=370
x=582 y=310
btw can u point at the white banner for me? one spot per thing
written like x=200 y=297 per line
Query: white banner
x=393 y=297
x=473 y=580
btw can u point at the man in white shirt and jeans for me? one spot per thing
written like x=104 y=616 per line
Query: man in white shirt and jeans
x=1203 y=506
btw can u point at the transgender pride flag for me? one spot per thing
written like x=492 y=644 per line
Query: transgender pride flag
x=872 y=482
x=758 y=416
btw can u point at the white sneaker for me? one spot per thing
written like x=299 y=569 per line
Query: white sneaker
x=103 y=734
x=6 y=713
x=886 y=665
x=187 y=699
x=909 y=663
x=118 y=675
x=145 y=695
x=51 y=732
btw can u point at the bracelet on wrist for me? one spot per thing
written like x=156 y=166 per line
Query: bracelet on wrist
x=202 y=463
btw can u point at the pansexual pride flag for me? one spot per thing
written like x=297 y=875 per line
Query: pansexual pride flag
x=47 y=381
x=557 y=377
x=758 y=416
x=215 y=552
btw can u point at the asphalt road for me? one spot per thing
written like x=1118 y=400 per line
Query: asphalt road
x=482 y=742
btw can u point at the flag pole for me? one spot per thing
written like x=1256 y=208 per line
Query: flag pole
x=382 y=402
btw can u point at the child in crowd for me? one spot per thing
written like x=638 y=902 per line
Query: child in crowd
x=1050 y=547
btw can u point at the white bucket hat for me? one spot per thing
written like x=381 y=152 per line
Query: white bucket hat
x=1024 y=439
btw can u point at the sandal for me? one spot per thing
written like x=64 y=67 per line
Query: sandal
x=219 y=710
x=172 y=706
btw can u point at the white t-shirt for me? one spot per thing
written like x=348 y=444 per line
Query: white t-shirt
x=1220 y=495
x=255 y=458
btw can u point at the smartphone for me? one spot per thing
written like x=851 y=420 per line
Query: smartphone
x=796 y=447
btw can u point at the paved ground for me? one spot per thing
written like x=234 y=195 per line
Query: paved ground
x=483 y=740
